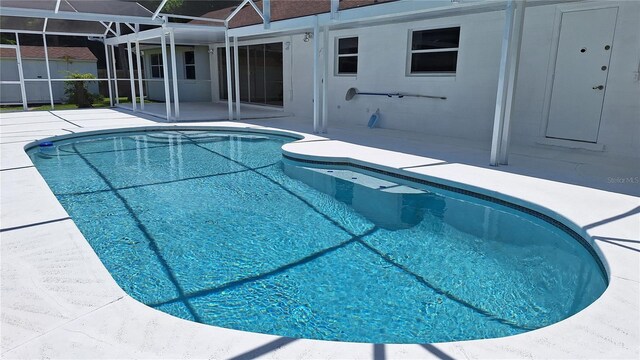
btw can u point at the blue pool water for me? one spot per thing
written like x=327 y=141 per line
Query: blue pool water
x=217 y=228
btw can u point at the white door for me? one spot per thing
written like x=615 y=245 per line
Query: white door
x=580 y=78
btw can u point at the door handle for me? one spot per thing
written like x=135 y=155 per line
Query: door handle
x=599 y=87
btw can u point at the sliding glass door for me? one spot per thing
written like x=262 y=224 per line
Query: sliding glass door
x=260 y=74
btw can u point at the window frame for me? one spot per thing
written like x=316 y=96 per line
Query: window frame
x=410 y=52
x=159 y=65
x=337 y=56
x=184 y=59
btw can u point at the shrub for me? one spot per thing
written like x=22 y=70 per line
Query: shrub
x=77 y=92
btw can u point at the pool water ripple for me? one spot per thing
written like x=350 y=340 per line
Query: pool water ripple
x=214 y=227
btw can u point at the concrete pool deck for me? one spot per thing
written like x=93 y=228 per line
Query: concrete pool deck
x=58 y=300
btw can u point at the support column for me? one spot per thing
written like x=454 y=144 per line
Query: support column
x=501 y=97
x=132 y=81
x=335 y=7
x=325 y=79
x=236 y=68
x=165 y=74
x=46 y=60
x=514 y=63
x=107 y=64
x=316 y=78
x=174 y=76
x=115 y=73
x=266 y=13
x=228 y=62
x=140 y=83
x=23 y=91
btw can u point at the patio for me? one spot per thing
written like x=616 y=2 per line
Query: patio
x=209 y=111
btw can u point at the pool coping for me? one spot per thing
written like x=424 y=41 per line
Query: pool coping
x=601 y=330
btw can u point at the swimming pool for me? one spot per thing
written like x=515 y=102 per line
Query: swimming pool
x=214 y=227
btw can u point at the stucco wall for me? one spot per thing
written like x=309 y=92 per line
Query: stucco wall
x=189 y=90
x=382 y=58
x=469 y=110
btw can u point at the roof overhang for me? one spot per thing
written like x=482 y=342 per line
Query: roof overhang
x=380 y=14
x=104 y=20
x=80 y=16
x=184 y=34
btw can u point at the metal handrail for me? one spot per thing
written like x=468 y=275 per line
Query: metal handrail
x=353 y=92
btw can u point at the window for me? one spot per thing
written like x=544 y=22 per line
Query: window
x=156 y=66
x=189 y=65
x=347 y=56
x=434 y=51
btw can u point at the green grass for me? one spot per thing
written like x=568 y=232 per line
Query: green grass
x=99 y=104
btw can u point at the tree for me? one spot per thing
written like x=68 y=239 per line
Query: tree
x=7 y=39
x=171 y=5
x=77 y=92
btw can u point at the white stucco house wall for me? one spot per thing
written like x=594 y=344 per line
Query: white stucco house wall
x=62 y=61
x=581 y=46
x=193 y=73
x=578 y=82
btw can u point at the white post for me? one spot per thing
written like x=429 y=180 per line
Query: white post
x=23 y=91
x=236 y=68
x=266 y=13
x=229 y=87
x=215 y=74
x=514 y=62
x=115 y=73
x=165 y=74
x=140 y=83
x=174 y=75
x=316 y=77
x=325 y=80
x=106 y=61
x=132 y=81
x=46 y=60
x=498 y=119
x=335 y=6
